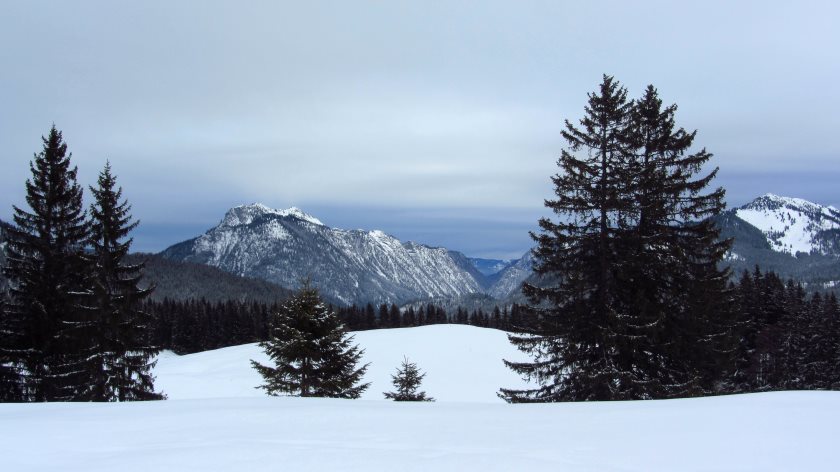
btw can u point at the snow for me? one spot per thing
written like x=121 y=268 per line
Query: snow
x=245 y=214
x=285 y=250
x=790 y=224
x=733 y=256
x=511 y=278
x=237 y=430
x=794 y=237
x=462 y=363
x=763 y=432
x=299 y=214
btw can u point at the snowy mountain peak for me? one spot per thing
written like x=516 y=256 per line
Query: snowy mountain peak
x=245 y=214
x=793 y=225
x=772 y=201
x=301 y=215
x=348 y=266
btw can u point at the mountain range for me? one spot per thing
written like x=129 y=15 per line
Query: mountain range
x=268 y=251
x=288 y=247
x=794 y=237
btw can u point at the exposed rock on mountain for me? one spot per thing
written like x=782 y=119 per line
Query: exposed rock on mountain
x=511 y=278
x=351 y=266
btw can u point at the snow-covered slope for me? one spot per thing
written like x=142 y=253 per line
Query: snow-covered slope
x=768 y=432
x=490 y=266
x=793 y=225
x=462 y=363
x=356 y=266
x=350 y=266
x=769 y=232
x=511 y=278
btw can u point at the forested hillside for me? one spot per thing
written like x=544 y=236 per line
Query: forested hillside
x=185 y=281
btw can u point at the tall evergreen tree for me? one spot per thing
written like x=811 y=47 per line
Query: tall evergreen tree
x=406 y=382
x=571 y=343
x=635 y=310
x=674 y=294
x=313 y=356
x=121 y=364
x=41 y=342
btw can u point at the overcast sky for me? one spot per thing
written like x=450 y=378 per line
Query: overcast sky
x=433 y=121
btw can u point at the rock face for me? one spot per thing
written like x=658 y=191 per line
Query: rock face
x=351 y=266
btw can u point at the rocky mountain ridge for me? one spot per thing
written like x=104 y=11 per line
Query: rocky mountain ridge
x=351 y=266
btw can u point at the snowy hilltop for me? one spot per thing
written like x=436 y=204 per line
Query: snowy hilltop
x=793 y=237
x=794 y=225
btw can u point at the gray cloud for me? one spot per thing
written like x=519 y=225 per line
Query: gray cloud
x=353 y=108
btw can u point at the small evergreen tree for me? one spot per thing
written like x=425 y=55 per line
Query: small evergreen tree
x=407 y=381
x=121 y=330
x=312 y=354
x=43 y=347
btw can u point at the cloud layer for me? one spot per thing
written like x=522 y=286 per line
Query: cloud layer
x=427 y=108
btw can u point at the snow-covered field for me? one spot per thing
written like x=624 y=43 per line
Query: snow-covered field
x=216 y=421
x=462 y=363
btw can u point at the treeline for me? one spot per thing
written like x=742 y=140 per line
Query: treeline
x=782 y=338
x=360 y=318
x=181 y=280
x=785 y=339
x=187 y=326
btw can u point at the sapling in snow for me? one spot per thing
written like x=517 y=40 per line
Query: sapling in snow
x=407 y=381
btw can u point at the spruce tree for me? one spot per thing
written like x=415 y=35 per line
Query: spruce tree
x=748 y=321
x=632 y=304
x=11 y=381
x=43 y=346
x=572 y=339
x=831 y=315
x=674 y=293
x=312 y=354
x=121 y=330
x=406 y=382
